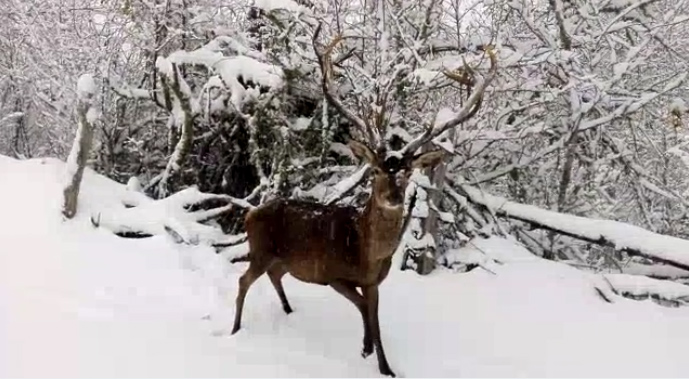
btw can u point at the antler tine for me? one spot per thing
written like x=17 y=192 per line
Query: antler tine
x=326 y=66
x=469 y=110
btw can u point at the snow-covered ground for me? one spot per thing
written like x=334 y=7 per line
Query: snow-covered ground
x=76 y=301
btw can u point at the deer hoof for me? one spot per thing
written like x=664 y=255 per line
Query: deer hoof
x=288 y=309
x=366 y=351
x=235 y=329
x=387 y=371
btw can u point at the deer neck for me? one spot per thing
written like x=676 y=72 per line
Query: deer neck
x=381 y=226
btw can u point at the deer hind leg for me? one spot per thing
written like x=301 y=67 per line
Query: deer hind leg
x=371 y=297
x=275 y=273
x=255 y=270
x=349 y=292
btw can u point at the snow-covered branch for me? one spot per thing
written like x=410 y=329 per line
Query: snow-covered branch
x=621 y=236
x=639 y=287
x=470 y=108
x=172 y=216
x=182 y=119
x=348 y=184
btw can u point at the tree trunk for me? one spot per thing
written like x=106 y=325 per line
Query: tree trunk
x=428 y=258
x=76 y=162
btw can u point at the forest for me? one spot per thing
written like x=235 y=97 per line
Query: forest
x=559 y=186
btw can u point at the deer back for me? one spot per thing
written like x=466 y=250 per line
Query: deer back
x=313 y=241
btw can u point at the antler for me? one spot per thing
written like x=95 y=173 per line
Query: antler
x=470 y=109
x=326 y=65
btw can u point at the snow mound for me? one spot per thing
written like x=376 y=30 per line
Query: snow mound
x=78 y=301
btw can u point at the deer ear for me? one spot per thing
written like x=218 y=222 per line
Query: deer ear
x=362 y=151
x=430 y=159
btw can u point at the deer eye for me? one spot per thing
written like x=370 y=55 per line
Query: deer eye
x=377 y=171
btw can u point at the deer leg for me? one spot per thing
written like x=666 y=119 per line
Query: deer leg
x=371 y=297
x=275 y=274
x=349 y=292
x=255 y=270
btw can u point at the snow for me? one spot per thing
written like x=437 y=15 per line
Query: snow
x=77 y=301
x=270 y=5
x=86 y=90
x=678 y=105
x=444 y=115
x=72 y=159
x=10 y=116
x=92 y=115
x=425 y=76
x=643 y=286
x=229 y=68
x=656 y=271
x=426 y=241
x=494 y=249
x=300 y=123
x=164 y=66
x=152 y=217
x=399 y=132
x=134 y=185
x=342 y=149
x=86 y=87
x=346 y=184
x=232 y=68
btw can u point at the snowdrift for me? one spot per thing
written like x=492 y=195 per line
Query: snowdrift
x=78 y=301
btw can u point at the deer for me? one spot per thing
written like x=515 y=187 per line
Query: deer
x=341 y=246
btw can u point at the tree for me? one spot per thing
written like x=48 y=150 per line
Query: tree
x=76 y=162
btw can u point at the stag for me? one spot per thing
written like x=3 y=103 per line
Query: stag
x=340 y=246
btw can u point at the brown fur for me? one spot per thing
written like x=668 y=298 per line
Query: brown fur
x=336 y=246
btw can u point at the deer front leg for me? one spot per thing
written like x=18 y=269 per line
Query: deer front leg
x=371 y=298
x=350 y=293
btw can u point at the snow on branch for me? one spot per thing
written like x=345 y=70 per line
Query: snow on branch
x=469 y=110
x=11 y=116
x=633 y=105
x=172 y=216
x=131 y=92
x=658 y=271
x=641 y=287
x=348 y=184
x=230 y=69
x=182 y=120
x=621 y=236
x=329 y=193
x=288 y=5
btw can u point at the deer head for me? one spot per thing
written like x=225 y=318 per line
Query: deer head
x=391 y=172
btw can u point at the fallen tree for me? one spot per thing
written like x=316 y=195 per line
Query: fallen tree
x=631 y=239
